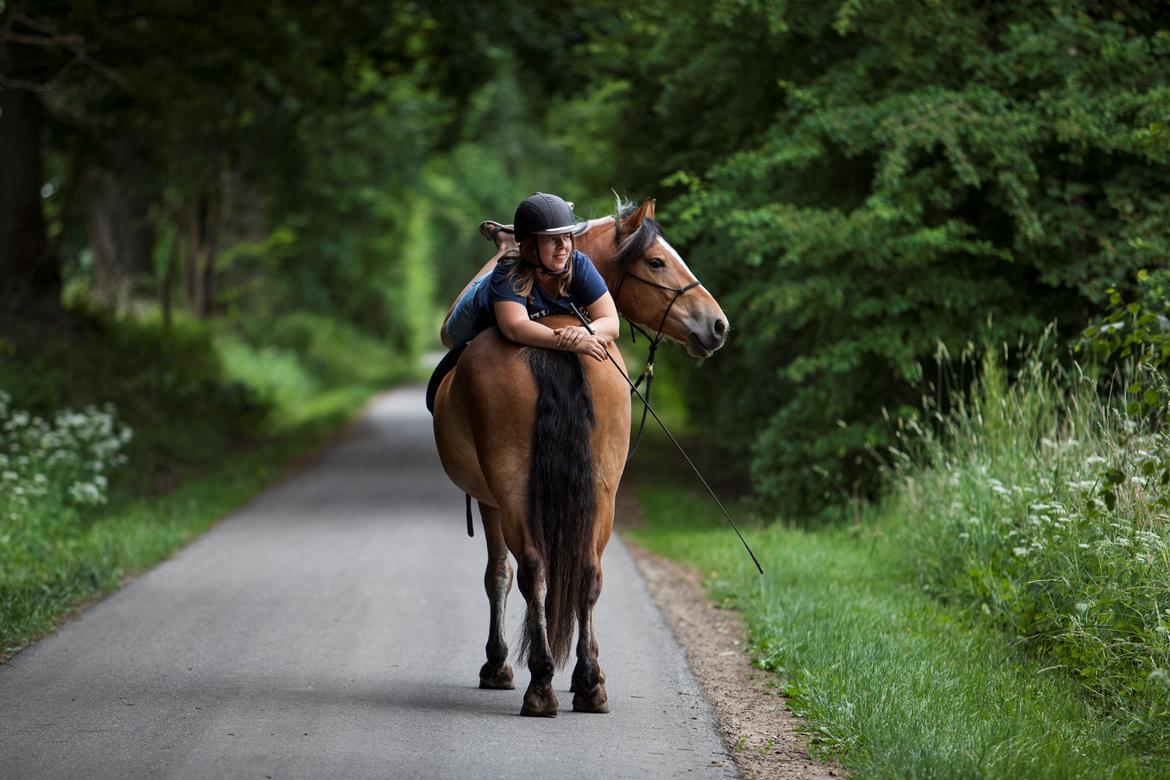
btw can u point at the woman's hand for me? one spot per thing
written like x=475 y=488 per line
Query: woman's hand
x=576 y=339
x=592 y=346
x=569 y=336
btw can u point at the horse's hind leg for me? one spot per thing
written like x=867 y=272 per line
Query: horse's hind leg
x=588 y=680
x=497 y=581
x=539 y=699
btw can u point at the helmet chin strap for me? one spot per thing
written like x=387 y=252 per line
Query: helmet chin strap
x=546 y=272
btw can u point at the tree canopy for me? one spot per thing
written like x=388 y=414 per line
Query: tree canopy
x=864 y=185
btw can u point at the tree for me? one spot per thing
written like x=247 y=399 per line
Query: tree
x=30 y=277
x=865 y=181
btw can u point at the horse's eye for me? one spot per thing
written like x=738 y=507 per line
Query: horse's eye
x=656 y=263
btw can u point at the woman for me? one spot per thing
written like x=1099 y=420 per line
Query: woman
x=544 y=276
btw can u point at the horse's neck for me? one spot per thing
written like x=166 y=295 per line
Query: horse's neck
x=598 y=243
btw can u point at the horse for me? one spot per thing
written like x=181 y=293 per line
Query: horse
x=540 y=437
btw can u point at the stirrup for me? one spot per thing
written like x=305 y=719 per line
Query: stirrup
x=491 y=230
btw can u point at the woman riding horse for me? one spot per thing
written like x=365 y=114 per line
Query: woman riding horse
x=544 y=276
x=539 y=436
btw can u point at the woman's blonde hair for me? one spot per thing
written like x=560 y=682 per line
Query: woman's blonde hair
x=525 y=264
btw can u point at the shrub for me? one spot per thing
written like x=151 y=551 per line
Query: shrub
x=54 y=473
x=1048 y=509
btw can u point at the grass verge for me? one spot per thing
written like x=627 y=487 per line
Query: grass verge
x=134 y=534
x=215 y=418
x=890 y=681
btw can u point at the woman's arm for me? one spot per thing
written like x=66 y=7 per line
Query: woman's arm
x=604 y=317
x=512 y=320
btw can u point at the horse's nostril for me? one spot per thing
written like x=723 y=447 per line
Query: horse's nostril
x=719 y=328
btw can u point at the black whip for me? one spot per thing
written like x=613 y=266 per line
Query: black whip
x=661 y=424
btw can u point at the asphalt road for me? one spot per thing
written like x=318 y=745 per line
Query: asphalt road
x=334 y=627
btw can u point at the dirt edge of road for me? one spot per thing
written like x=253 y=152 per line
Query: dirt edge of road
x=754 y=720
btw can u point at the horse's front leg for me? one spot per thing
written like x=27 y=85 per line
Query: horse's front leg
x=588 y=680
x=539 y=699
x=497 y=581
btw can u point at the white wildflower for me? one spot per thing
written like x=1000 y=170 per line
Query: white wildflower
x=998 y=487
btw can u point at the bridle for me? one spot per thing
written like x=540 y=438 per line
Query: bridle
x=648 y=371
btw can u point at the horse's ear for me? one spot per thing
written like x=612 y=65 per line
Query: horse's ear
x=644 y=212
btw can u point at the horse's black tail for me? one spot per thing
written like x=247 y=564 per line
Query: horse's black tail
x=560 y=491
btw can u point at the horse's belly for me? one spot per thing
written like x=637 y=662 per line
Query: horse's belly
x=456 y=447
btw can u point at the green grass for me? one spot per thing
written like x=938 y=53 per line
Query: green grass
x=218 y=414
x=133 y=534
x=1047 y=509
x=890 y=681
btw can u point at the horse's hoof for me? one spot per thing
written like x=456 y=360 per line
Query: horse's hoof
x=538 y=704
x=530 y=711
x=595 y=701
x=576 y=682
x=496 y=678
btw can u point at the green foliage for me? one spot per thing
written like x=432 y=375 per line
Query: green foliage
x=1048 y=510
x=351 y=243
x=54 y=474
x=152 y=376
x=502 y=156
x=861 y=181
x=1134 y=337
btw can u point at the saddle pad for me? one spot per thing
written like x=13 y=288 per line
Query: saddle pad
x=445 y=365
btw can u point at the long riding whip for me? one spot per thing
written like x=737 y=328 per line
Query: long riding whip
x=715 y=498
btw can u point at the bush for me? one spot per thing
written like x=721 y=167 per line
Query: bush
x=862 y=180
x=1049 y=510
x=54 y=474
x=169 y=386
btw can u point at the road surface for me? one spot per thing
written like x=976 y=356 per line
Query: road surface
x=334 y=627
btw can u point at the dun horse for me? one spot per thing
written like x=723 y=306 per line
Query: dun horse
x=539 y=438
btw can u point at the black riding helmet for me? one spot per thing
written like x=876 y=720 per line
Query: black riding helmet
x=542 y=214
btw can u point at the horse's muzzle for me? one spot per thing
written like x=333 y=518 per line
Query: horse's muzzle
x=703 y=341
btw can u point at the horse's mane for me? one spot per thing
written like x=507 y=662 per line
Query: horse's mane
x=637 y=243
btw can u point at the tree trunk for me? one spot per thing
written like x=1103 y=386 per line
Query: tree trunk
x=101 y=223
x=168 y=283
x=213 y=232
x=30 y=273
x=121 y=235
x=193 y=226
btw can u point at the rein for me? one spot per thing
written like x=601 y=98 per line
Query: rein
x=648 y=371
x=646 y=402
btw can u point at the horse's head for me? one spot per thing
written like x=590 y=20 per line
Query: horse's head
x=654 y=288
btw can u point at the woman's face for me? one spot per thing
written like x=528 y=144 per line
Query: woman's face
x=555 y=250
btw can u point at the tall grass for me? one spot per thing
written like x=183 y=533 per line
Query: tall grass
x=1047 y=509
x=891 y=682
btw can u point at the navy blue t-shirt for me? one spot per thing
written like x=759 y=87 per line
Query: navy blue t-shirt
x=585 y=289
